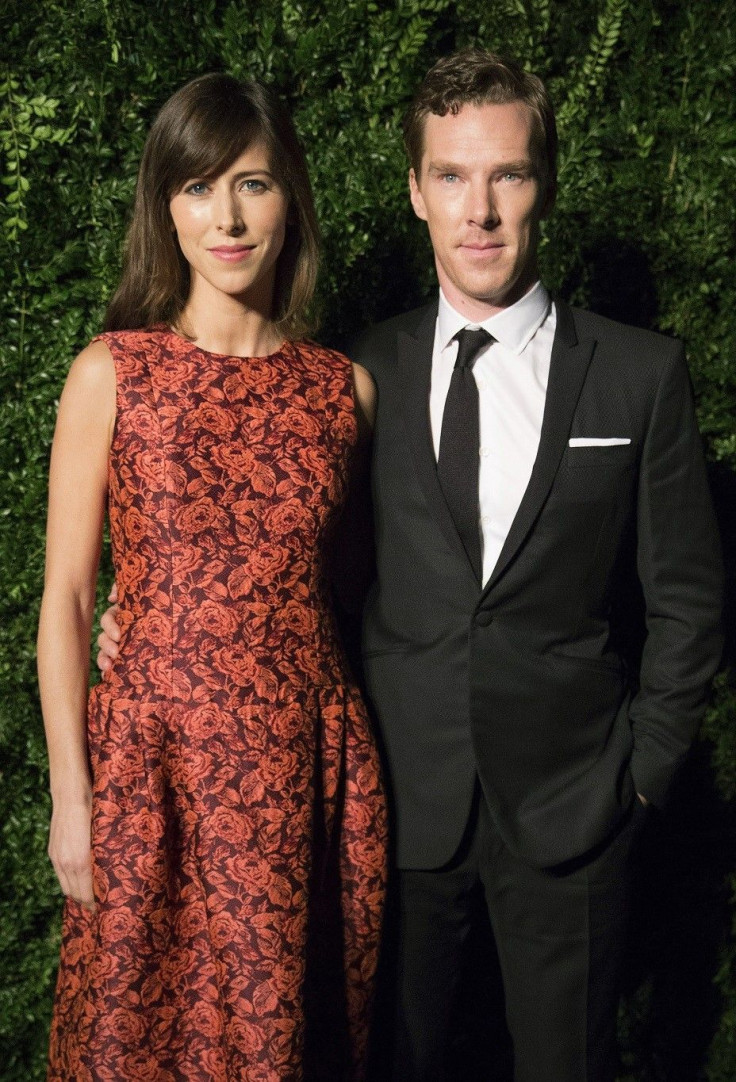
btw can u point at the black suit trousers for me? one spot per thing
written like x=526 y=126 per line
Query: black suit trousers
x=559 y=934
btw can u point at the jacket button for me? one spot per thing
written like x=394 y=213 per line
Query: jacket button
x=484 y=618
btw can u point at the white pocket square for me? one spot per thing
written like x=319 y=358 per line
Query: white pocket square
x=593 y=441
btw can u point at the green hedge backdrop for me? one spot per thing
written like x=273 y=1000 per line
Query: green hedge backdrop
x=644 y=230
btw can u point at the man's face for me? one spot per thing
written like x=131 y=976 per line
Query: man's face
x=480 y=193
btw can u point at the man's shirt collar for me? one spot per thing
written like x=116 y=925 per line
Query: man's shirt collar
x=513 y=327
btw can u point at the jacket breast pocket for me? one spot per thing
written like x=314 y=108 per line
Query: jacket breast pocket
x=617 y=456
x=594 y=474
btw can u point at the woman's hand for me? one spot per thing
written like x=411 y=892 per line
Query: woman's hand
x=70 y=847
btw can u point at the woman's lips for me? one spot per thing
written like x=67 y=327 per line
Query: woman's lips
x=232 y=253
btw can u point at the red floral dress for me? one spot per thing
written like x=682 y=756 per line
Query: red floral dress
x=239 y=827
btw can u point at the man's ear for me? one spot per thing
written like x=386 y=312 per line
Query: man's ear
x=416 y=197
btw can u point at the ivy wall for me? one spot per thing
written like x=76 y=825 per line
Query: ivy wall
x=644 y=231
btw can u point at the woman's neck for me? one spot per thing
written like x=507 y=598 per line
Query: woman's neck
x=223 y=324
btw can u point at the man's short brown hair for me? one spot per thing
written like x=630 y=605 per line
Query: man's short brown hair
x=478 y=77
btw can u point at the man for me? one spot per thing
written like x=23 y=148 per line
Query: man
x=516 y=492
x=516 y=740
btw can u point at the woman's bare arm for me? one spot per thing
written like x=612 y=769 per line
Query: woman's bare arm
x=365 y=399
x=77 y=494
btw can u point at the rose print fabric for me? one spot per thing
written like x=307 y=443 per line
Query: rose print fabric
x=238 y=827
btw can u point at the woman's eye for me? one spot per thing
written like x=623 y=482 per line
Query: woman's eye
x=198 y=188
x=252 y=185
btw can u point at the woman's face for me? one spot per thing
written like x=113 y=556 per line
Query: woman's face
x=231 y=229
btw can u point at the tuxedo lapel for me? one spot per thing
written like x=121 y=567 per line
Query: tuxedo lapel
x=568 y=368
x=415 y=371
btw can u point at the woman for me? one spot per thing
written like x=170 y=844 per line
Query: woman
x=218 y=818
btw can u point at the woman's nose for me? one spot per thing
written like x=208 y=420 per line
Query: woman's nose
x=229 y=217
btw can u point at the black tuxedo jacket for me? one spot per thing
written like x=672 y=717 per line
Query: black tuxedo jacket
x=522 y=682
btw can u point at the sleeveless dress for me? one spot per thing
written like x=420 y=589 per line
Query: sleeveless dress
x=238 y=824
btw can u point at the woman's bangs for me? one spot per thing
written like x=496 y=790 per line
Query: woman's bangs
x=209 y=145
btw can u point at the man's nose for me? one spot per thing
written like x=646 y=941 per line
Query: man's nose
x=482 y=210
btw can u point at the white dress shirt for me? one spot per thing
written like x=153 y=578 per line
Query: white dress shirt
x=511 y=374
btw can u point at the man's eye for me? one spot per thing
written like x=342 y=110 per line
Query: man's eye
x=449 y=178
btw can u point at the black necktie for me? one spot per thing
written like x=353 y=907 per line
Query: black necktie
x=457 y=464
